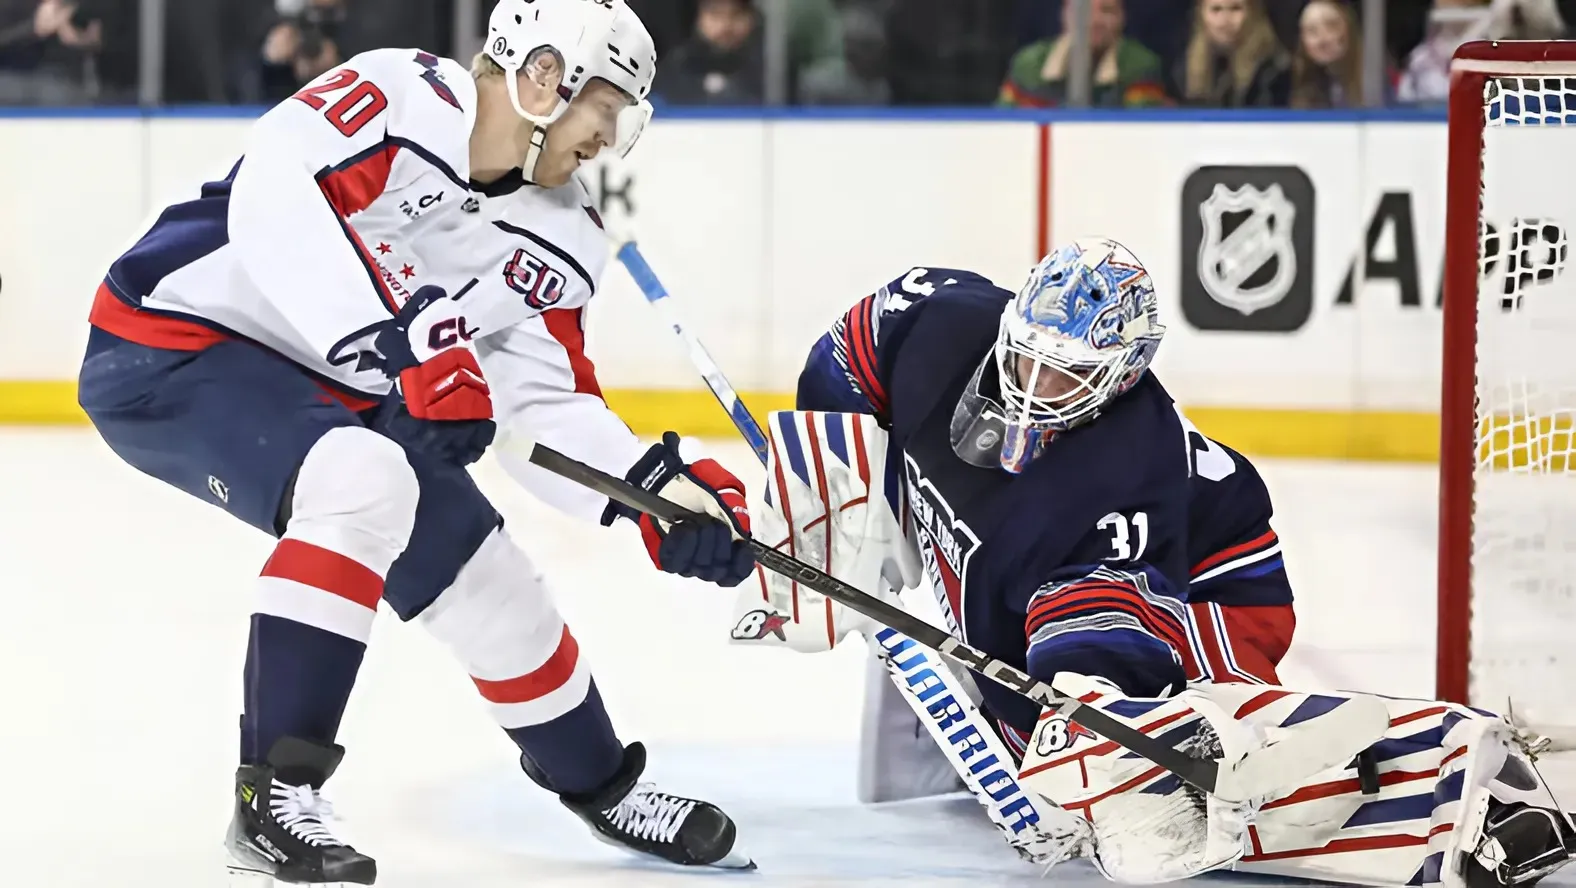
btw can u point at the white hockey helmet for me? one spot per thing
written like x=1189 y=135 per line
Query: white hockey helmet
x=591 y=39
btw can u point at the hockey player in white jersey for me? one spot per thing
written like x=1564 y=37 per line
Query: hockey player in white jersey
x=297 y=344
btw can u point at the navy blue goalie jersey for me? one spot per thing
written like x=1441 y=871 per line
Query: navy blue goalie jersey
x=1133 y=548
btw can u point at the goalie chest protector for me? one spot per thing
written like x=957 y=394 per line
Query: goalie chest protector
x=990 y=539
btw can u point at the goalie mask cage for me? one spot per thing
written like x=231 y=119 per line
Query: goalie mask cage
x=1507 y=540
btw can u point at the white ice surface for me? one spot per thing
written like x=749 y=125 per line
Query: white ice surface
x=123 y=633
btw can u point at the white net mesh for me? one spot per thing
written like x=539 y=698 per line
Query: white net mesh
x=1524 y=501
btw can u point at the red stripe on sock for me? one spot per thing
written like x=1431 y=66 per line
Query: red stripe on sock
x=539 y=682
x=323 y=569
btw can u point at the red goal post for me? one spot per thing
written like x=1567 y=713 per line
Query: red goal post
x=1507 y=464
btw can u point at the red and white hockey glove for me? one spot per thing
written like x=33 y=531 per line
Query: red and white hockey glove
x=711 y=549
x=441 y=404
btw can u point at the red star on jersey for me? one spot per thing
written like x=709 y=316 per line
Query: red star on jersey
x=773 y=625
x=384 y=249
x=408 y=272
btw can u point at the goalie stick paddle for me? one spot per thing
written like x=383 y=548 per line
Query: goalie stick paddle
x=1201 y=773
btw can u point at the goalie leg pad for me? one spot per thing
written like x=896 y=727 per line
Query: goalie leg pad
x=1456 y=798
x=1151 y=827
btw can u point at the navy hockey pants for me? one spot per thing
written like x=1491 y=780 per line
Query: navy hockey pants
x=231 y=423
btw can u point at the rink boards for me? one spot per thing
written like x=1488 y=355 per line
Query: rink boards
x=1297 y=258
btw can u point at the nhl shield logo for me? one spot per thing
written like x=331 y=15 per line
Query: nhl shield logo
x=1247 y=248
x=1252 y=266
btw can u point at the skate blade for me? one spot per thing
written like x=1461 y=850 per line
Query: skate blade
x=242 y=876
x=735 y=860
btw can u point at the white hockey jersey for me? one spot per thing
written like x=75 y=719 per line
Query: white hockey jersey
x=281 y=250
x=350 y=196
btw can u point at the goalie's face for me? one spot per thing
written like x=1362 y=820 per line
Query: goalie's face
x=1048 y=384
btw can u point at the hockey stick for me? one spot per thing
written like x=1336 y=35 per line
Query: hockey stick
x=1257 y=774
x=657 y=295
x=1022 y=822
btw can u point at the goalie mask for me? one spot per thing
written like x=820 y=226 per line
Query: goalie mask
x=561 y=45
x=1082 y=331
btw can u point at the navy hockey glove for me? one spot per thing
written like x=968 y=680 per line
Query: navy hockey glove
x=705 y=549
x=440 y=404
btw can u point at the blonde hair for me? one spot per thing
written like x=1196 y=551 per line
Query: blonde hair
x=1308 y=88
x=1255 y=43
x=483 y=66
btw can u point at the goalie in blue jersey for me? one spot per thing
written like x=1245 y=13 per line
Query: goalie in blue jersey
x=1018 y=452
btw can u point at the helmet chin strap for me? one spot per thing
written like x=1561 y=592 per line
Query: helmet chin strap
x=539 y=124
x=533 y=154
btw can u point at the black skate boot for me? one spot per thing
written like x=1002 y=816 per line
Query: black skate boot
x=1520 y=845
x=637 y=817
x=278 y=830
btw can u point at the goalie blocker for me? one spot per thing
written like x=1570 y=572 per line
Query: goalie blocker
x=1442 y=794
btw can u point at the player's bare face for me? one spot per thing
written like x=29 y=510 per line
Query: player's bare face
x=588 y=126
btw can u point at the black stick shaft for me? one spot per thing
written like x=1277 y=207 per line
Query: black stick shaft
x=1201 y=773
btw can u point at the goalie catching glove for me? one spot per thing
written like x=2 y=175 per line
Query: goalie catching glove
x=710 y=550
x=832 y=500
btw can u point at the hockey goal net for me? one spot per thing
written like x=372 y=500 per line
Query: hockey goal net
x=1507 y=545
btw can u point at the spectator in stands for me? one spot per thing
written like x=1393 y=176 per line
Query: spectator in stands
x=723 y=63
x=815 y=45
x=1233 y=59
x=861 y=76
x=302 y=42
x=1125 y=72
x=1160 y=25
x=1450 y=24
x=1327 y=69
x=50 y=47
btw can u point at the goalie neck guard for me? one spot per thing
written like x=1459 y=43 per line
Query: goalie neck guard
x=586 y=40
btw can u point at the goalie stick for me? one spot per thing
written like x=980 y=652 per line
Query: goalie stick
x=1256 y=775
x=1022 y=817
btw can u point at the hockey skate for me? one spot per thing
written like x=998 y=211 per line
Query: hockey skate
x=1520 y=845
x=278 y=833
x=638 y=817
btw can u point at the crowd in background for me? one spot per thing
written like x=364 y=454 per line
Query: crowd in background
x=1203 y=53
